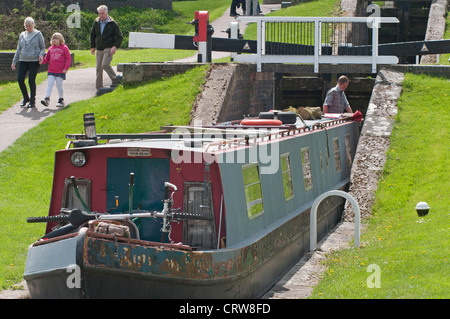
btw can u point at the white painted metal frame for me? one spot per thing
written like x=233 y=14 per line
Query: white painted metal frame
x=316 y=59
x=313 y=217
x=151 y=40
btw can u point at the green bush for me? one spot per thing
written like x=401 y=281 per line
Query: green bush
x=54 y=19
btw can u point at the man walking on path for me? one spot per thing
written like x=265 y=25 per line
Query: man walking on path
x=106 y=37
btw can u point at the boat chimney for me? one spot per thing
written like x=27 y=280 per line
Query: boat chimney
x=89 y=126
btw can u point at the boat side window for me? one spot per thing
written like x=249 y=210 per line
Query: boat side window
x=70 y=199
x=306 y=168
x=348 y=150
x=287 y=177
x=337 y=154
x=252 y=188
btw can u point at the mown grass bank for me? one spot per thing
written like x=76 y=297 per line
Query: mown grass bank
x=405 y=254
x=183 y=11
x=26 y=167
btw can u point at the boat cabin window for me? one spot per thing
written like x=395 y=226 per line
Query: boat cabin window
x=348 y=150
x=70 y=199
x=306 y=168
x=287 y=177
x=337 y=154
x=253 y=193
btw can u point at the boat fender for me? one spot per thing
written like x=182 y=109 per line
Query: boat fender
x=260 y=122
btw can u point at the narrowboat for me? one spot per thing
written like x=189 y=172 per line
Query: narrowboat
x=217 y=211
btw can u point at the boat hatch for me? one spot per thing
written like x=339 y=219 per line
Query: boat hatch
x=150 y=176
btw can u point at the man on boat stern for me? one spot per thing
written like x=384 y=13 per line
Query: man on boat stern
x=336 y=101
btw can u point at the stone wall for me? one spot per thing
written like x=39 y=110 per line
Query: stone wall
x=6 y=74
x=435 y=27
x=7 y=5
x=231 y=91
x=374 y=141
x=143 y=72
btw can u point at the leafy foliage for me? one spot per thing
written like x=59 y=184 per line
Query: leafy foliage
x=54 y=19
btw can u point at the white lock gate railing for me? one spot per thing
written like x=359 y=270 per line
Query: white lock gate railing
x=317 y=40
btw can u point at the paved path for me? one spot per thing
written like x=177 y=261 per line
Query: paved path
x=80 y=85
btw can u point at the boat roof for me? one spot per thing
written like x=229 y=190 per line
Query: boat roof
x=210 y=139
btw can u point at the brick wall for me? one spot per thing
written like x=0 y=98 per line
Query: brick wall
x=7 y=5
x=6 y=74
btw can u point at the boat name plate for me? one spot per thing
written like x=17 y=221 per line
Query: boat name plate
x=134 y=152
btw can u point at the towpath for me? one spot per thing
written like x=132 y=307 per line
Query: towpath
x=80 y=85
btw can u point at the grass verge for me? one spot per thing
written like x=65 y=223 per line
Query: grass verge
x=407 y=254
x=26 y=167
x=10 y=92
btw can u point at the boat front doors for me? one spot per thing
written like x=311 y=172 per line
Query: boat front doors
x=148 y=190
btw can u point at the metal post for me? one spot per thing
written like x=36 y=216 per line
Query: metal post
x=234 y=30
x=202 y=38
x=375 y=26
x=234 y=34
x=313 y=217
x=261 y=38
x=317 y=45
